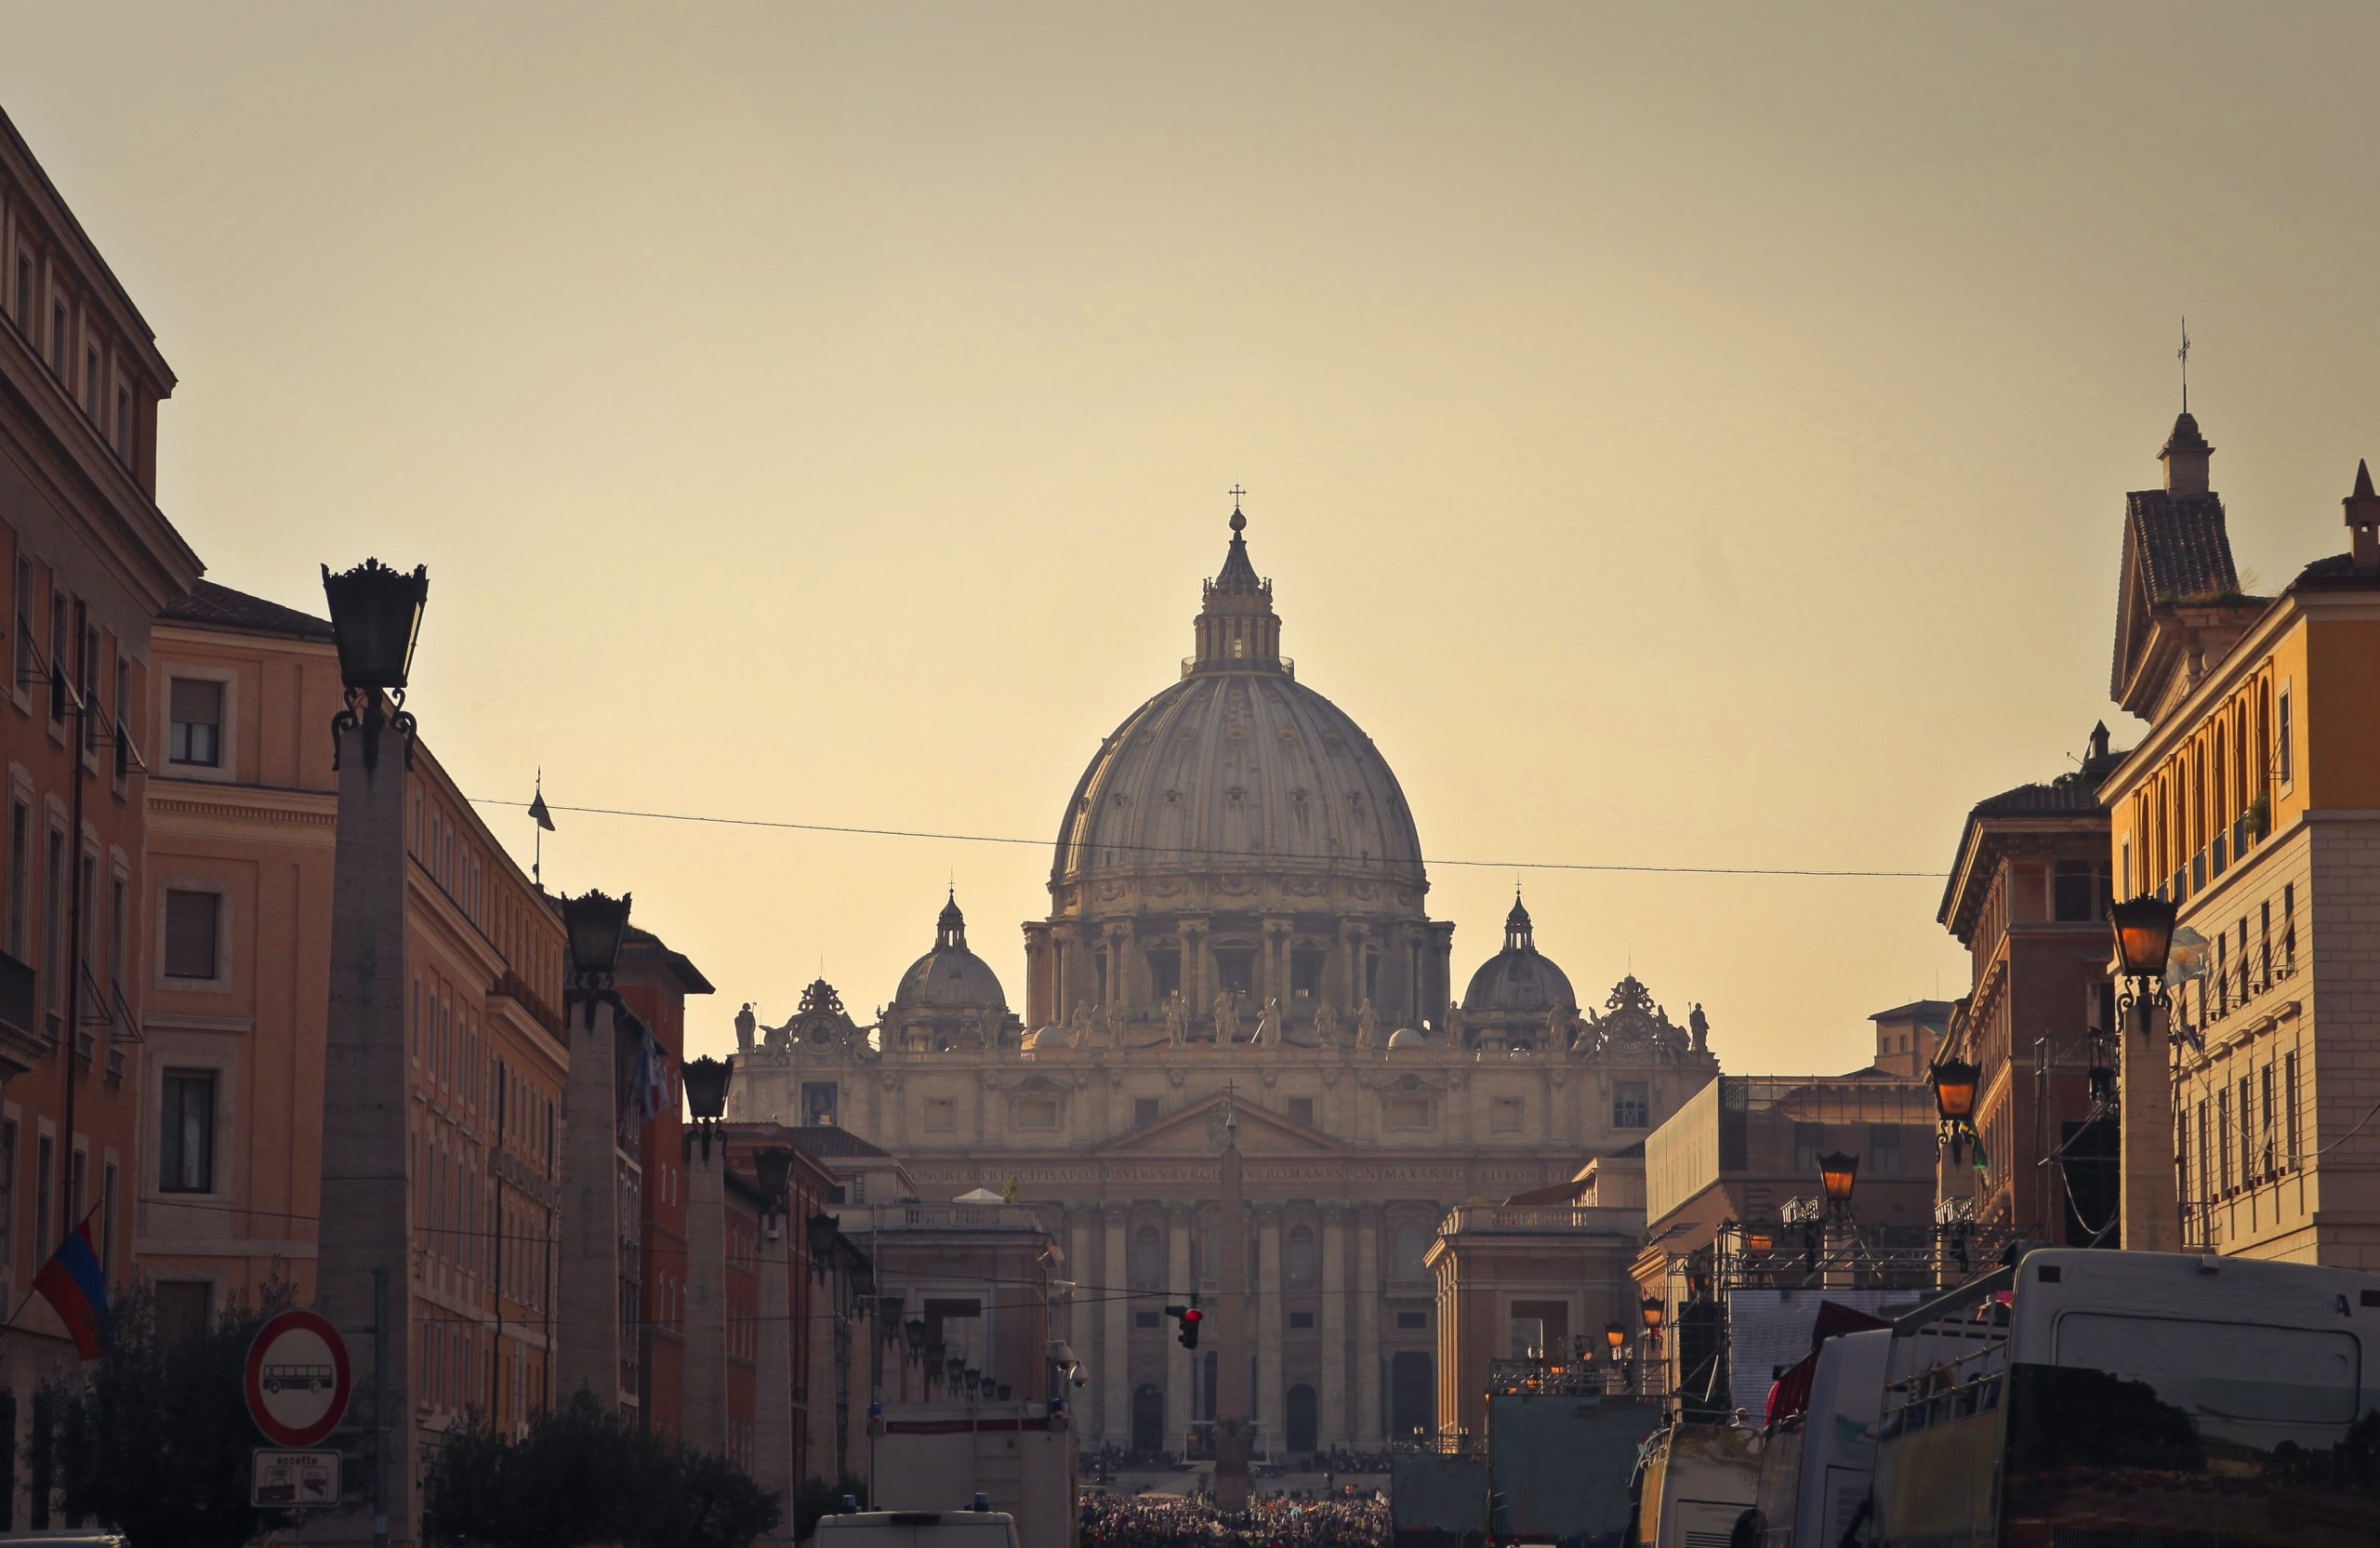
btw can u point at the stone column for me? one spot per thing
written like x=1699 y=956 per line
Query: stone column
x=1333 y=1429
x=1115 y=1358
x=773 y=1378
x=587 y=1305
x=1367 y=1298
x=1178 y=1380
x=366 y=1223
x=705 y=1384
x=1269 y=1320
x=2152 y=1217
x=1082 y=1267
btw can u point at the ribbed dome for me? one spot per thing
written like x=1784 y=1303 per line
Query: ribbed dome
x=950 y=976
x=1231 y=766
x=1519 y=979
x=1237 y=763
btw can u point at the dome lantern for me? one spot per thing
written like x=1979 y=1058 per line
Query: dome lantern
x=1237 y=627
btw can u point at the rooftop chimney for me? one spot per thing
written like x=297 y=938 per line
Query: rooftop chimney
x=2364 y=522
x=2185 y=456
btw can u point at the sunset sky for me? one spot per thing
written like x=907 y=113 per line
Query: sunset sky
x=1681 y=436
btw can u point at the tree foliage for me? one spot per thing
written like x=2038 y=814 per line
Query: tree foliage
x=153 y=1437
x=585 y=1474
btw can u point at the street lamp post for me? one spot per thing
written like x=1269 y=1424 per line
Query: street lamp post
x=704 y=1372
x=1616 y=1337
x=588 y=1336
x=1650 y=1310
x=774 y=1463
x=2144 y=939
x=363 y=1267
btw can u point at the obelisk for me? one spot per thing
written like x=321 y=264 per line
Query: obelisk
x=1233 y=1429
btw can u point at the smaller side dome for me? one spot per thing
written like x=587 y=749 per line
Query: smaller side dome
x=1407 y=1037
x=950 y=976
x=1519 y=980
x=1049 y=1040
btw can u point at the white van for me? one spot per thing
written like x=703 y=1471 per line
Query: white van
x=975 y=1528
x=1815 y=1472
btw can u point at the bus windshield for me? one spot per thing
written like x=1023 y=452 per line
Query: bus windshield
x=2166 y=1429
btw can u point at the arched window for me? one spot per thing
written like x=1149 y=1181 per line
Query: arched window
x=1148 y=1259
x=1299 y=1257
x=1412 y=1243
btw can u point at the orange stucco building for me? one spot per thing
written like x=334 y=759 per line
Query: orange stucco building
x=89 y=560
x=2251 y=801
x=242 y=807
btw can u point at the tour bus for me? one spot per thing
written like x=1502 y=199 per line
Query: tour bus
x=1817 y=1466
x=2090 y=1397
x=1696 y=1480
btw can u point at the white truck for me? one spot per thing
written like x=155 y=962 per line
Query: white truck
x=939 y=1457
x=1817 y=1466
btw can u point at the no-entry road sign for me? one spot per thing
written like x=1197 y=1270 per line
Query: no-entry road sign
x=297 y=1380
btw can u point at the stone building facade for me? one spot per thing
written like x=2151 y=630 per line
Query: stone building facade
x=1237 y=909
x=2251 y=802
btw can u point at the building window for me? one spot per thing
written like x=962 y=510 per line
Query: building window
x=1632 y=1104
x=1412 y=1319
x=1165 y=971
x=940 y=1115
x=1504 y=1113
x=191 y=919
x=1302 y=1110
x=2288 y=1102
x=1300 y=1319
x=819 y=1099
x=91 y=382
x=182 y=1309
x=1146 y=1319
x=21 y=870
x=2247 y=1136
x=1408 y=1112
x=1807 y=1140
x=2075 y=892
x=2284 y=754
x=24 y=620
x=1148 y=1259
x=2223 y=1139
x=197 y=735
x=124 y=423
x=53 y=921
x=1412 y=1247
x=1143 y=1111
x=1883 y=1149
x=2267 y=1162
x=2289 y=926
x=186 y=1132
x=7 y=1192
x=58 y=338
x=2205 y=1154
x=1299 y=1258
x=45 y=1191
x=1037 y=1112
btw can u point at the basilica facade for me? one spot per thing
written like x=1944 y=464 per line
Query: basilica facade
x=1238 y=919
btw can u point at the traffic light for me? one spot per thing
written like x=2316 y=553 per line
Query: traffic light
x=1189 y=1316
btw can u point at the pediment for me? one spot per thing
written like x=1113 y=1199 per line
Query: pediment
x=1198 y=1131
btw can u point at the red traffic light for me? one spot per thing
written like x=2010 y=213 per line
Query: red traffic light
x=1189 y=1318
x=1193 y=1317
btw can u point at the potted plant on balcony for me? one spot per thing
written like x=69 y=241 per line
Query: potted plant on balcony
x=2258 y=816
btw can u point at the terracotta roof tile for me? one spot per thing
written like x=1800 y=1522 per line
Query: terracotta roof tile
x=2184 y=545
x=221 y=607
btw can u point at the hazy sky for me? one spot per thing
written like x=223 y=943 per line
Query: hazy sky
x=1680 y=435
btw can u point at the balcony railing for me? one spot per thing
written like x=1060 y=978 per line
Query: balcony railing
x=945 y=1217
x=1533 y=1217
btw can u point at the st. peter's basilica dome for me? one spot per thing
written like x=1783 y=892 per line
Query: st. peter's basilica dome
x=1237 y=765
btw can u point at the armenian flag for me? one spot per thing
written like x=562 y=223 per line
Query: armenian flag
x=76 y=1289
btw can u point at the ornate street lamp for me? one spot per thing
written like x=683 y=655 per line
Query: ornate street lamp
x=775 y=1169
x=706 y=1081
x=914 y=1330
x=954 y=1369
x=821 y=1228
x=1954 y=1083
x=1614 y=1335
x=376 y=617
x=1760 y=1239
x=1837 y=1175
x=1652 y=1311
x=595 y=923
x=2143 y=932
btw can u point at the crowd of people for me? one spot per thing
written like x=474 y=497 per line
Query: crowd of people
x=1177 y=1521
